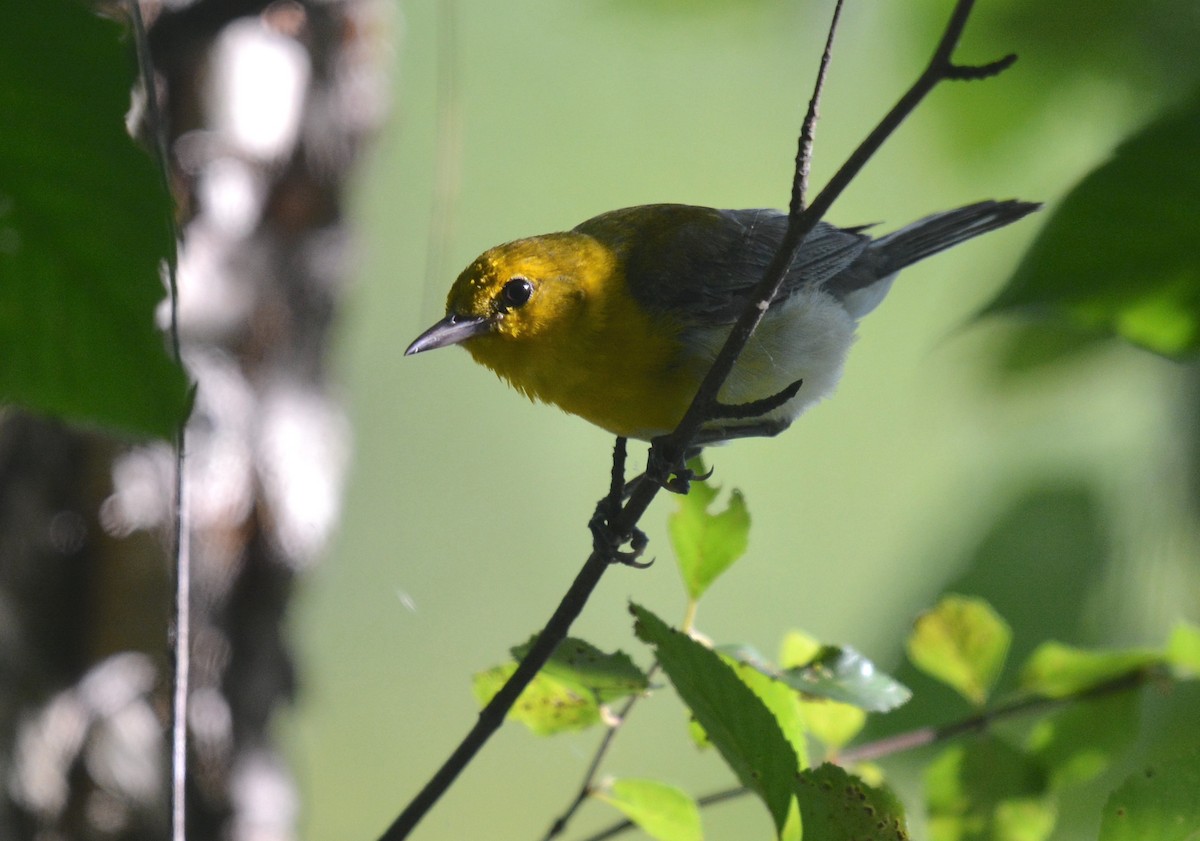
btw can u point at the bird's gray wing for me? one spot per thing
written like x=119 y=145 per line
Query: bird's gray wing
x=706 y=267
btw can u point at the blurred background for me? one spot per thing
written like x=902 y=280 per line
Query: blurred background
x=953 y=456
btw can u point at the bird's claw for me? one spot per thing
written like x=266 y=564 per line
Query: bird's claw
x=668 y=467
x=606 y=542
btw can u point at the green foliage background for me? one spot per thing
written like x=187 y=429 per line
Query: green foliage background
x=951 y=458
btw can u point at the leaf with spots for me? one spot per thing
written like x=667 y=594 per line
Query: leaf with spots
x=609 y=676
x=838 y=806
x=569 y=690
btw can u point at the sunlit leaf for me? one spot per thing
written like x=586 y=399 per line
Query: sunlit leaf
x=661 y=811
x=836 y=806
x=843 y=674
x=608 y=676
x=784 y=704
x=736 y=721
x=798 y=649
x=1183 y=651
x=705 y=543
x=568 y=691
x=84 y=220
x=1118 y=254
x=833 y=723
x=1158 y=803
x=547 y=706
x=961 y=642
x=1056 y=670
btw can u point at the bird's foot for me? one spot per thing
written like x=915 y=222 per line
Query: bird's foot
x=668 y=466
x=607 y=542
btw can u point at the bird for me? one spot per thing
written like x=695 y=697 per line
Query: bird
x=619 y=319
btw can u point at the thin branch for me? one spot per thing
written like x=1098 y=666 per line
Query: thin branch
x=671 y=448
x=181 y=621
x=809 y=127
x=589 y=777
x=494 y=712
x=618 y=827
x=492 y=715
x=921 y=736
x=925 y=736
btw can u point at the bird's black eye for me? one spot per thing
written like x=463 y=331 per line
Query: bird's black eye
x=515 y=293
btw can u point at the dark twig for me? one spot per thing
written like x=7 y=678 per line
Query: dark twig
x=809 y=127
x=922 y=736
x=555 y=631
x=589 y=777
x=925 y=736
x=492 y=715
x=672 y=448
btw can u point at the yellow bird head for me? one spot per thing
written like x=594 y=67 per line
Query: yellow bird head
x=520 y=292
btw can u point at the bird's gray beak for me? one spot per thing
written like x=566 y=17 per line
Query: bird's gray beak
x=449 y=331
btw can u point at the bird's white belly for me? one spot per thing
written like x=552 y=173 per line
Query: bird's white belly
x=804 y=338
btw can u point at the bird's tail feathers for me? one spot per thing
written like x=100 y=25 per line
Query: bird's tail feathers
x=935 y=233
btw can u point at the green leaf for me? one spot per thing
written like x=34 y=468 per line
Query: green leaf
x=1159 y=803
x=568 y=691
x=83 y=229
x=1118 y=254
x=1080 y=742
x=707 y=544
x=608 y=676
x=1183 y=651
x=798 y=649
x=838 y=806
x=833 y=723
x=661 y=811
x=986 y=790
x=736 y=721
x=962 y=642
x=783 y=702
x=843 y=674
x=547 y=706
x=1056 y=670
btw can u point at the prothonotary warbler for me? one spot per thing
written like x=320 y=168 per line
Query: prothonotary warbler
x=619 y=319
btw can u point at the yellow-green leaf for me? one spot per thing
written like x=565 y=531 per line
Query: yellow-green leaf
x=707 y=543
x=1183 y=651
x=961 y=642
x=1056 y=670
x=548 y=705
x=662 y=811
